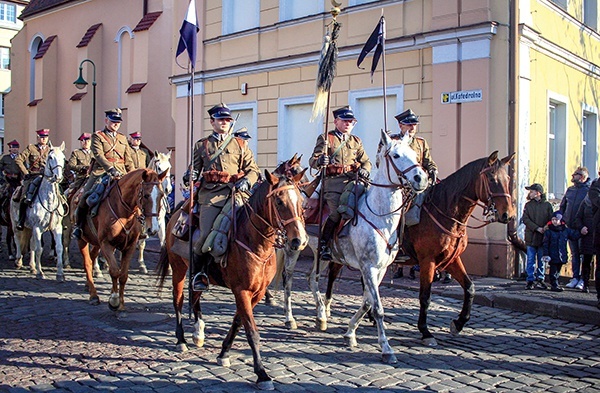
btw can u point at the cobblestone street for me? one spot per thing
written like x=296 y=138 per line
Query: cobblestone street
x=52 y=340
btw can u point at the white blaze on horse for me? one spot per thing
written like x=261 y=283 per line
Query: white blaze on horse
x=371 y=245
x=161 y=164
x=45 y=214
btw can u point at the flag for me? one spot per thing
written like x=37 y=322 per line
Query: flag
x=326 y=71
x=376 y=39
x=189 y=32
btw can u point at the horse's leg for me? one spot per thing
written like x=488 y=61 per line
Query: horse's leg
x=126 y=256
x=458 y=271
x=313 y=281
x=427 y=271
x=223 y=358
x=10 y=242
x=113 y=269
x=19 y=250
x=36 y=253
x=87 y=267
x=96 y=269
x=289 y=259
x=334 y=272
x=142 y=247
x=57 y=236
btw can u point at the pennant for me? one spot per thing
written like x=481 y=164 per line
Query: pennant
x=376 y=40
x=189 y=34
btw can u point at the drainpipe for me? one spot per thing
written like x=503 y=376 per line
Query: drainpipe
x=145 y=9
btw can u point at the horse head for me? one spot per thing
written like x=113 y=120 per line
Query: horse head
x=399 y=160
x=55 y=164
x=493 y=188
x=149 y=200
x=161 y=164
x=279 y=202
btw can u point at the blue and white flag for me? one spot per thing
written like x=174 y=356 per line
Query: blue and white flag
x=189 y=33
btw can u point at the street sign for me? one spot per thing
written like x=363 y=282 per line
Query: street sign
x=457 y=97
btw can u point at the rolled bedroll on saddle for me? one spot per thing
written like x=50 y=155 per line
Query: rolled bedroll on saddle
x=349 y=199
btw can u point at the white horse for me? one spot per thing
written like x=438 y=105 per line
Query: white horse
x=160 y=163
x=45 y=214
x=371 y=245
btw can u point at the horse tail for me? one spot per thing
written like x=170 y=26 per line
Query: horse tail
x=162 y=268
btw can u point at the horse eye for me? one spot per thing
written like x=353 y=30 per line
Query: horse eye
x=279 y=202
x=396 y=155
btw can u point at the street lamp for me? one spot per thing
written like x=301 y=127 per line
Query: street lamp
x=81 y=83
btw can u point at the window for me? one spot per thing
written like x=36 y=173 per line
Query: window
x=296 y=133
x=4 y=58
x=36 y=43
x=357 y=2
x=294 y=9
x=561 y=3
x=590 y=13
x=589 y=129
x=248 y=118
x=2 y=106
x=8 y=13
x=556 y=149
x=240 y=15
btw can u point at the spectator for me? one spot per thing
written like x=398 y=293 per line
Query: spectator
x=555 y=247
x=536 y=214
x=569 y=206
x=584 y=222
x=594 y=195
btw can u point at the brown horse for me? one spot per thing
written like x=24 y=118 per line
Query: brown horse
x=440 y=237
x=132 y=201
x=272 y=214
x=6 y=192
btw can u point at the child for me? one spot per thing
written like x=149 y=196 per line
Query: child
x=555 y=247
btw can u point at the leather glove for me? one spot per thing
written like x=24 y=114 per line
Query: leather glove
x=27 y=176
x=114 y=172
x=323 y=160
x=194 y=174
x=363 y=174
x=243 y=185
x=545 y=259
x=433 y=176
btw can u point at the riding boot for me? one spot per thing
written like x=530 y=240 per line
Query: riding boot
x=22 y=215
x=81 y=214
x=200 y=280
x=326 y=236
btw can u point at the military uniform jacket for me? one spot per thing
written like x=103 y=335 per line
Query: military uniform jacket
x=110 y=152
x=420 y=145
x=351 y=153
x=32 y=160
x=79 y=162
x=235 y=158
x=9 y=167
x=140 y=157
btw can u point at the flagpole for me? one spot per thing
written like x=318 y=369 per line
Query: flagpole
x=385 y=126
x=191 y=181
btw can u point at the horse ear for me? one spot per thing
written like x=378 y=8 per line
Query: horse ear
x=155 y=153
x=162 y=176
x=62 y=146
x=298 y=178
x=385 y=138
x=493 y=158
x=272 y=179
x=509 y=158
x=169 y=154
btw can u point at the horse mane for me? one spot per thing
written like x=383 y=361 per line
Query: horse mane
x=446 y=194
x=259 y=196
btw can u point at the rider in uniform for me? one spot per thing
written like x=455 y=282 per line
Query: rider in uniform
x=9 y=170
x=31 y=162
x=345 y=156
x=79 y=162
x=112 y=156
x=139 y=154
x=217 y=158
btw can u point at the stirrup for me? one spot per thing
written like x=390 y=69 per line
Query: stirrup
x=77 y=233
x=20 y=226
x=326 y=254
x=200 y=282
x=400 y=257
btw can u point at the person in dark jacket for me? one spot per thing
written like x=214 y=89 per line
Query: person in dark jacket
x=594 y=195
x=569 y=205
x=555 y=247
x=584 y=222
x=536 y=214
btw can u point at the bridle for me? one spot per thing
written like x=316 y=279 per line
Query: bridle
x=138 y=209
x=52 y=178
x=484 y=193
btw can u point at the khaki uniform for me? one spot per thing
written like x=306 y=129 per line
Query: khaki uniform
x=9 y=167
x=32 y=161
x=236 y=158
x=140 y=157
x=420 y=146
x=79 y=163
x=344 y=161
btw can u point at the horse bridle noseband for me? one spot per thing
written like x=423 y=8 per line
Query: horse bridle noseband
x=139 y=205
x=489 y=209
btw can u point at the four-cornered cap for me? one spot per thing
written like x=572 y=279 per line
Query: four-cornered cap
x=344 y=113
x=13 y=143
x=43 y=132
x=136 y=135
x=407 y=117
x=85 y=136
x=243 y=133
x=114 y=115
x=220 y=112
x=536 y=187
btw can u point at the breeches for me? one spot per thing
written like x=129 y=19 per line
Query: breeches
x=207 y=216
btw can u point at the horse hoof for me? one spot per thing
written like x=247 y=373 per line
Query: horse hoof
x=271 y=302
x=321 y=324
x=40 y=276
x=454 y=330
x=265 y=385
x=291 y=325
x=18 y=265
x=199 y=342
x=98 y=274
x=60 y=277
x=66 y=266
x=94 y=301
x=225 y=362
x=11 y=257
x=182 y=348
x=350 y=342
x=143 y=270
x=113 y=304
x=430 y=342
x=389 y=358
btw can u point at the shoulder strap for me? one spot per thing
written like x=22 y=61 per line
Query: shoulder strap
x=220 y=150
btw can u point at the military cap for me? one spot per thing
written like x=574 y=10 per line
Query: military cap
x=220 y=112
x=85 y=136
x=242 y=133
x=43 y=132
x=13 y=143
x=407 y=117
x=114 y=115
x=344 y=113
x=136 y=135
